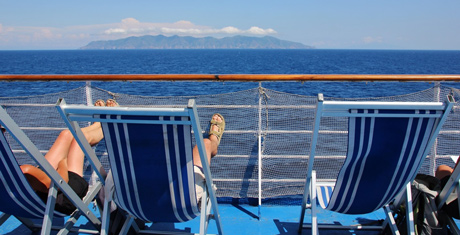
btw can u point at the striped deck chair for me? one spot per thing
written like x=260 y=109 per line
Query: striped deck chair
x=150 y=156
x=387 y=143
x=17 y=197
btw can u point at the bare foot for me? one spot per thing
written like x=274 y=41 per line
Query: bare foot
x=99 y=103
x=111 y=103
x=217 y=128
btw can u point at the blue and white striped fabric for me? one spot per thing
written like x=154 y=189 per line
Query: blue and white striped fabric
x=16 y=195
x=323 y=195
x=152 y=167
x=383 y=155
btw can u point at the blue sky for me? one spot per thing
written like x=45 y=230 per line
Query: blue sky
x=324 y=24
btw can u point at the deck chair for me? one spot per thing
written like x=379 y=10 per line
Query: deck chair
x=17 y=197
x=387 y=143
x=150 y=156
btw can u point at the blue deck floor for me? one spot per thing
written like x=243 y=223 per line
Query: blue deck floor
x=243 y=219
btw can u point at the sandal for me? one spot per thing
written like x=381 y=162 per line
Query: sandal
x=100 y=100
x=220 y=125
x=114 y=102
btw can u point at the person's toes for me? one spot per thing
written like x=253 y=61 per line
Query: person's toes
x=217 y=118
x=111 y=103
x=99 y=103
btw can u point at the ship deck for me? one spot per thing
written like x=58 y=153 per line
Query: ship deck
x=243 y=219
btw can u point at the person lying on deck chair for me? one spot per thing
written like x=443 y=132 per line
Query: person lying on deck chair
x=211 y=144
x=443 y=173
x=66 y=156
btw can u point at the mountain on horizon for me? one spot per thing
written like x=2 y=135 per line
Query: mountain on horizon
x=187 y=42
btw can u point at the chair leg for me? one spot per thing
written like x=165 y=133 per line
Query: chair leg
x=314 y=218
x=205 y=212
x=127 y=225
x=105 y=217
x=303 y=207
x=77 y=214
x=409 y=211
x=391 y=220
x=108 y=200
x=50 y=203
x=458 y=193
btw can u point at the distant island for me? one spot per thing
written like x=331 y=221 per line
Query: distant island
x=178 y=42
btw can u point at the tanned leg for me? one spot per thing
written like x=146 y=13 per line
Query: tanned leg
x=58 y=155
x=211 y=146
x=76 y=157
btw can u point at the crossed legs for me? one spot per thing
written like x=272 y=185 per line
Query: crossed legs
x=64 y=155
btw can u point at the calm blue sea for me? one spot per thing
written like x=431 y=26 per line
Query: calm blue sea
x=228 y=62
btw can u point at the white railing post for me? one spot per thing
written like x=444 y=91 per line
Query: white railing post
x=434 y=149
x=260 y=149
x=89 y=99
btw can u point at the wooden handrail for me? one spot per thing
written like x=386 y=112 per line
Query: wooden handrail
x=230 y=77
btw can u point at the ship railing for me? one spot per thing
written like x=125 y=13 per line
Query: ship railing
x=264 y=158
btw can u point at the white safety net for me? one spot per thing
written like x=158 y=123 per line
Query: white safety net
x=264 y=150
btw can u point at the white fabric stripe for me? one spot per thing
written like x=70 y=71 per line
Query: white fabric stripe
x=329 y=192
x=179 y=172
x=363 y=163
x=131 y=169
x=343 y=199
x=401 y=157
x=168 y=165
x=350 y=153
x=323 y=197
x=190 y=171
x=18 y=189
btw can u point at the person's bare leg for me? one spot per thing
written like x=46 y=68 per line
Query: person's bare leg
x=76 y=157
x=210 y=144
x=60 y=148
x=95 y=125
x=93 y=134
x=58 y=155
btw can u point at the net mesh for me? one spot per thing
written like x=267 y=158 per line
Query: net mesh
x=275 y=124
